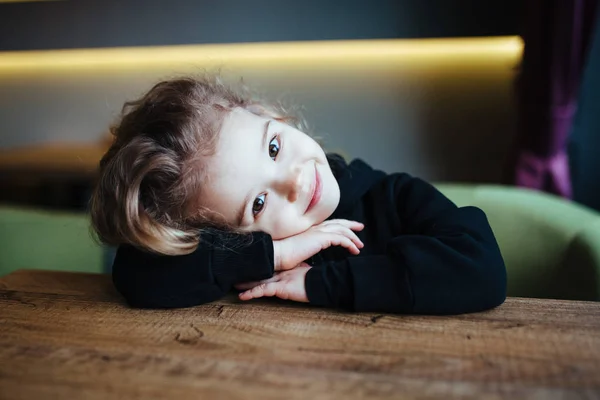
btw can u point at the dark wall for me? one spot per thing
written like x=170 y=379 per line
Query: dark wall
x=585 y=138
x=109 y=23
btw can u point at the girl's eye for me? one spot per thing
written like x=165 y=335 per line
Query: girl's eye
x=274 y=148
x=258 y=204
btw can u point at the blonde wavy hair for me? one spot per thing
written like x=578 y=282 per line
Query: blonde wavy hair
x=149 y=181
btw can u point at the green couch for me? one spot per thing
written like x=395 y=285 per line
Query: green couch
x=35 y=239
x=551 y=246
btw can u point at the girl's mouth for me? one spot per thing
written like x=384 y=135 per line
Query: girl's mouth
x=317 y=190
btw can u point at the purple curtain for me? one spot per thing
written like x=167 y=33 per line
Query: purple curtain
x=556 y=36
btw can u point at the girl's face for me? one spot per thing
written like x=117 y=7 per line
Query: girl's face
x=268 y=176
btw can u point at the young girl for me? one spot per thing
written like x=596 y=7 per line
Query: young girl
x=205 y=189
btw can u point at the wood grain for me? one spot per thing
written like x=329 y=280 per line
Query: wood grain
x=70 y=336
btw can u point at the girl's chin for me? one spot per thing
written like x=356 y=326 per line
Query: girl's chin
x=319 y=221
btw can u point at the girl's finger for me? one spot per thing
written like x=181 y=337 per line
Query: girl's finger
x=338 y=227
x=352 y=236
x=250 y=285
x=341 y=240
x=354 y=225
x=265 y=289
x=352 y=247
x=347 y=232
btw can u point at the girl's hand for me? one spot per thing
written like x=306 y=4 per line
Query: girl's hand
x=291 y=251
x=287 y=285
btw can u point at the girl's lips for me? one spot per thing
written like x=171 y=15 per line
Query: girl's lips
x=317 y=190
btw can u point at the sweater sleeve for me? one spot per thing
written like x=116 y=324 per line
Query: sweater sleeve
x=157 y=281
x=445 y=261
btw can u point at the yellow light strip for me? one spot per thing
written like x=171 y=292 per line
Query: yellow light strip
x=25 y=1
x=284 y=53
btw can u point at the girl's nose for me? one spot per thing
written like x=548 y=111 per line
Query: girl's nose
x=290 y=185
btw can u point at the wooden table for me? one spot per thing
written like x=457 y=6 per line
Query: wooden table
x=70 y=336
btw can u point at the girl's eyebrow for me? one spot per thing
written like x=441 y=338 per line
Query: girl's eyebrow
x=266 y=131
x=242 y=210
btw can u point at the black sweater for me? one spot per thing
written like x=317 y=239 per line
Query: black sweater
x=422 y=254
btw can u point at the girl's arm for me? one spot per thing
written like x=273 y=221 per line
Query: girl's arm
x=149 y=280
x=445 y=261
x=154 y=281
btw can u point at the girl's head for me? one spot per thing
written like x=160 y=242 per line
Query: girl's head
x=194 y=153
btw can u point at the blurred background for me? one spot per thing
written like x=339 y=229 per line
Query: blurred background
x=374 y=79
x=460 y=92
